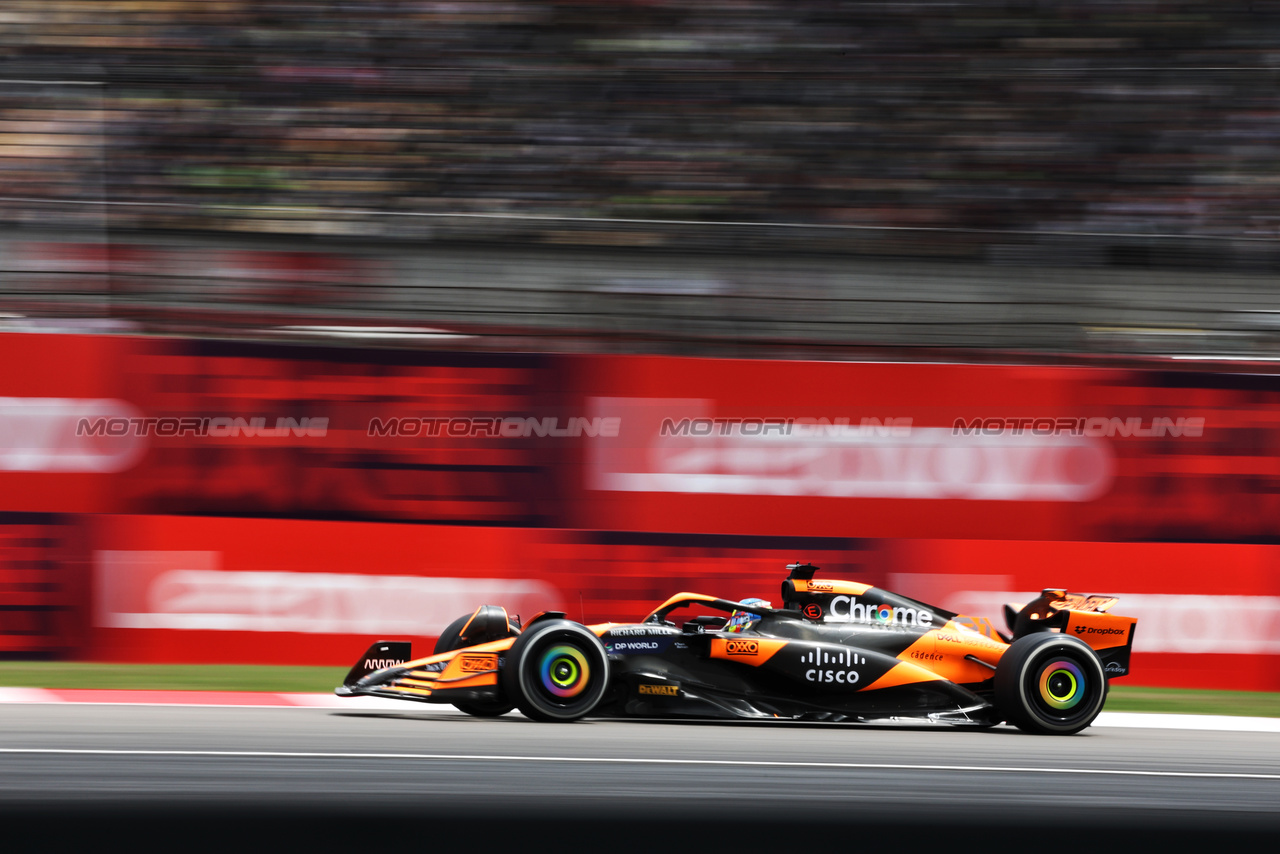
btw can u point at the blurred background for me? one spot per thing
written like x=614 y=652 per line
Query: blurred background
x=885 y=221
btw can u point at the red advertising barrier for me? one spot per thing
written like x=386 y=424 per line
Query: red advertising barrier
x=114 y=451
x=128 y=425
x=44 y=600
x=929 y=450
x=335 y=434
x=833 y=449
x=283 y=591
x=49 y=382
x=197 y=590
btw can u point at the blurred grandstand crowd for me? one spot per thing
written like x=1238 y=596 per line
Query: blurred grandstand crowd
x=816 y=123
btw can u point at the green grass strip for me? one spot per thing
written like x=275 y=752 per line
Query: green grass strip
x=171 y=677
x=1257 y=704
x=321 y=680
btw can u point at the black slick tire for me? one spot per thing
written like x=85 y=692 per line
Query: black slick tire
x=556 y=671
x=1050 y=684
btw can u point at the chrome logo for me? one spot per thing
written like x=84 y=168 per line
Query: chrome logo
x=564 y=671
x=1062 y=684
x=884 y=614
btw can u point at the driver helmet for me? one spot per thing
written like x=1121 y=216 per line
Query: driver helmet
x=740 y=621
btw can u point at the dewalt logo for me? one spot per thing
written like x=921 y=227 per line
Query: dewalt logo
x=742 y=647
x=660 y=690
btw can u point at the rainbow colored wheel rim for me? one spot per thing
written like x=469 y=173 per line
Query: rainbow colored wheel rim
x=564 y=671
x=1062 y=685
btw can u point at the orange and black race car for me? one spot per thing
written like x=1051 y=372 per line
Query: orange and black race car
x=834 y=651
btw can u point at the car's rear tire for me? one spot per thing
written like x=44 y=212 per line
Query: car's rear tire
x=1050 y=684
x=556 y=671
x=450 y=640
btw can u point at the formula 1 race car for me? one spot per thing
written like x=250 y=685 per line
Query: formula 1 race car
x=834 y=651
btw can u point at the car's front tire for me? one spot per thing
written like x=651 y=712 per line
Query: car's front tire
x=556 y=671
x=450 y=640
x=1050 y=684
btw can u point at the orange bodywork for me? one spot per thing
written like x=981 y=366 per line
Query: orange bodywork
x=945 y=652
x=903 y=673
x=470 y=667
x=746 y=650
x=845 y=588
x=1099 y=630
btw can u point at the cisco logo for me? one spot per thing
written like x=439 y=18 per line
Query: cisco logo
x=838 y=667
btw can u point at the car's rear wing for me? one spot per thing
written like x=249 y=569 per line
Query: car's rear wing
x=1087 y=617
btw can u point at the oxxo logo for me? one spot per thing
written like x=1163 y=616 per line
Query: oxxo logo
x=742 y=647
x=837 y=667
x=478 y=663
x=380 y=663
x=1090 y=630
x=847 y=609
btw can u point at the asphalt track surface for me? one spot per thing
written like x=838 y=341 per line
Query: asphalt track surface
x=423 y=777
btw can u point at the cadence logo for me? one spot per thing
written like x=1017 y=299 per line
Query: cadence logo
x=847 y=609
x=742 y=647
x=39 y=434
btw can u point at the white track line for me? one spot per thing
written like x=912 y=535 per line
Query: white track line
x=1219 y=723
x=27 y=695
x=614 y=760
